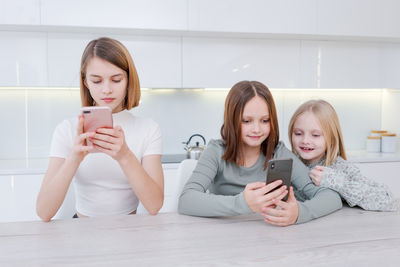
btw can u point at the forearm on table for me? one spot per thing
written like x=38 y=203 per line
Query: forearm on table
x=150 y=194
x=323 y=203
x=53 y=190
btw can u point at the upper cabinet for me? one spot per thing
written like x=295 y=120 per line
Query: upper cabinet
x=256 y=16
x=221 y=62
x=132 y=14
x=332 y=64
x=363 y=18
x=23 y=59
x=157 y=59
x=21 y=12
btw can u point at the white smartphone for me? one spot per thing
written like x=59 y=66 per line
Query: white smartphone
x=95 y=118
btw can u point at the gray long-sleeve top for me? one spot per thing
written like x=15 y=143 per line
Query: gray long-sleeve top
x=345 y=178
x=216 y=186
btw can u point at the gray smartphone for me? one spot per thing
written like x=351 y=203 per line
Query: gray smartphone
x=280 y=169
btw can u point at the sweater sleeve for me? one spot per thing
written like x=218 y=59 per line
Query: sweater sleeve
x=195 y=200
x=346 y=179
x=319 y=201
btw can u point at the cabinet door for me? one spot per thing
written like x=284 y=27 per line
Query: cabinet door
x=18 y=195
x=258 y=16
x=383 y=172
x=134 y=14
x=171 y=194
x=377 y=18
x=157 y=59
x=340 y=64
x=222 y=62
x=23 y=59
x=26 y=12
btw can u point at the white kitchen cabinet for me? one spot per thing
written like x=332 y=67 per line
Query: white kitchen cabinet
x=340 y=64
x=171 y=194
x=367 y=18
x=21 y=12
x=133 y=14
x=383 y=172
x=389 y=68
x=18 y=195
x=157 y=59
x=222 y=62
x=23 y=59
x=257 y=16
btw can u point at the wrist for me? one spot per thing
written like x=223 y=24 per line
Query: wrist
x=126 y=158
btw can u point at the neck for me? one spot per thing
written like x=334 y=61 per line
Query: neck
x=250 y=155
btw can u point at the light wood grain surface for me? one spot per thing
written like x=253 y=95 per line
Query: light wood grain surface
x=349 y=237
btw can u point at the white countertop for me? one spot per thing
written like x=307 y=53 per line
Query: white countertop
x=348 y=237
x=39 y=165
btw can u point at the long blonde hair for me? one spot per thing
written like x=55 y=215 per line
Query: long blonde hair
x=329 y=122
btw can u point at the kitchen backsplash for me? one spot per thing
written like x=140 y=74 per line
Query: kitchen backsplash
x=28 y=117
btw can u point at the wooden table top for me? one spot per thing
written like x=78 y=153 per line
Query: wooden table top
x=349 y=237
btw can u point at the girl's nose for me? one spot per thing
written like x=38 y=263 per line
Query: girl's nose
x=256 y=127
x=106 y=88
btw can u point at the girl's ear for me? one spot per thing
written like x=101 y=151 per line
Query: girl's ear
x=85 y=83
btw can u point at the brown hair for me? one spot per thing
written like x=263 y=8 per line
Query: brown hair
x=231 y=130
x=329 y=122
x=116 y=53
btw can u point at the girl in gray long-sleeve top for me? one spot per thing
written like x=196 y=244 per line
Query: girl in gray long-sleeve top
x=229 y=178
x=315 y=135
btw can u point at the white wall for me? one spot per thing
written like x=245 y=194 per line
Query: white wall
x=181 y=113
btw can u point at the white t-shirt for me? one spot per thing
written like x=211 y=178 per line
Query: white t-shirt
x=101 y=187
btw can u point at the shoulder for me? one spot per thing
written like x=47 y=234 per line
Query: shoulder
x=66 y=126
x=138 y=124
x=216 y=145
x=282 y=151
x=342 y=164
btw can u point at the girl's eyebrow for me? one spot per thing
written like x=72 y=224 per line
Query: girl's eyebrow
x=99 y=76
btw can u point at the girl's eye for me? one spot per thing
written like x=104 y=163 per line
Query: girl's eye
x=266 y=121
x=116 y=81
x=245 y=121
x=96 y=81
x=316 y=135
x=297 y=133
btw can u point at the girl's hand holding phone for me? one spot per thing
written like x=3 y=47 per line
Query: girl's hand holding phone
x=112 y=142
x=80 y=148
x=286 y=215
x=259 y=195
x=316 y=175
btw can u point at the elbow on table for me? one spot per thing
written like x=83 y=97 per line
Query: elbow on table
x=183 y=205
x=43 y=215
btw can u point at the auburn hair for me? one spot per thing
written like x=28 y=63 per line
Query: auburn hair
x=231 y=130
x=328 y=119
x=117 y=54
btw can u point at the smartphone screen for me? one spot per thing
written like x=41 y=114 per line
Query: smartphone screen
x=95 y=118
x=280 y=169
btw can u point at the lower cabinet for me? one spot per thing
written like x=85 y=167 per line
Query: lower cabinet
x=171 y=193
x=18 y=195
x=383 y=172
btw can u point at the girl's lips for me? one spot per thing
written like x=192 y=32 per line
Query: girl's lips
x=108 y=100
x=255 y=137
x=306 y=149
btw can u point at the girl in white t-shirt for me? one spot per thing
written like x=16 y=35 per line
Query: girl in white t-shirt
x=128 y=169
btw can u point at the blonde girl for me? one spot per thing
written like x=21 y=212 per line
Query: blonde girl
x=229 y=178
x=316 y=137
